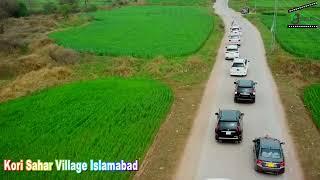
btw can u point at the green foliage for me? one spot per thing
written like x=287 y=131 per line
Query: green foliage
x=107 y=119
x=49 y=7
x=90 y=8
x=65 y=10
x=141 y=31
x=312 y=100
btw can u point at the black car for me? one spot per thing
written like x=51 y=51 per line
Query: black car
x=268 y=155
x=245 y=91
x=229 y=126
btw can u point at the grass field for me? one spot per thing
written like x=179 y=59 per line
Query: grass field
x=312 y=100
x=107 y=119
x=301 y=42
x=180 y=2
x=37 y=5
x=145 y=31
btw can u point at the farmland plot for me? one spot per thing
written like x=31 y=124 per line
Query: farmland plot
x=145 y=31
x=312 y=100
x=108 y=119
x=300 y=42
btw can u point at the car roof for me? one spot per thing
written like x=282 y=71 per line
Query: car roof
x=270 y=143
x=235 y=26
x=229 y=115
x=245 y=83
x=232 y=46
x=238 y=60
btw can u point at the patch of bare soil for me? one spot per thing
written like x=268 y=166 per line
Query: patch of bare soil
x=292 y=77
x=34 y=80
x=161 y=160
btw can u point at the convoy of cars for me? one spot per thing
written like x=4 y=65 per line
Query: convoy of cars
x=267 y=151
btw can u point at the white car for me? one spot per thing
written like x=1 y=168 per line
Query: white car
x=237 y=33
x=232 y=52
x=239 y=67
x=235 y=39
x=235 y=27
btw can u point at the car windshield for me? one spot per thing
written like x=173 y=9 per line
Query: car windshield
x=228 y=124
x=237 y=65
x=271 y=153
x=234 y=37
x=235 y=29
x=232 y=50
x=245 y=89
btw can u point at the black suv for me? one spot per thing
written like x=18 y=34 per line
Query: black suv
x=245 y=90
x=268 y=155
x=229 y=126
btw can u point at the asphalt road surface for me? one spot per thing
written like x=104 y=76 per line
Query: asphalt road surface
x=203 y=157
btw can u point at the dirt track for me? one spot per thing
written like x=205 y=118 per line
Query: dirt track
x=203 y=157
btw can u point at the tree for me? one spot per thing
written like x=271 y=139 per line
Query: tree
x=7 y=9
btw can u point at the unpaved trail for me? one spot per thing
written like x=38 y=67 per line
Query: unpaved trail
x=203 y=157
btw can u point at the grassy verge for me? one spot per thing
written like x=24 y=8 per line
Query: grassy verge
x=311 y=99
x=292 y=75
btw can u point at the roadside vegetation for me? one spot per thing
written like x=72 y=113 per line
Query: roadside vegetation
x=294 y=61
x=125 y=112
x=311 y=99
x=67 y=90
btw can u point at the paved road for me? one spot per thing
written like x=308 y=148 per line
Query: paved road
x=203 y=157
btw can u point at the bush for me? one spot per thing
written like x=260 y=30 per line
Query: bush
x=68 y=2
x=21 y=10
x=119 y=2
x=90 y=8
x=65 y=10
x=49 y=8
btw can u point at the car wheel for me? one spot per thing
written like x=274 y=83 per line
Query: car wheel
x=235 y=100
x=254 y=100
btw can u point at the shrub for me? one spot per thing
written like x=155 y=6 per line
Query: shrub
x=21 y=10
x=90 y=8
x=65 y=10
x=49 y=8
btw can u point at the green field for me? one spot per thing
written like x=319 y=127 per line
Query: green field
x=37 y=5
x=107 y=119
x=180 y=2
x=300 y=42
x=141 y=31
x=312 y=100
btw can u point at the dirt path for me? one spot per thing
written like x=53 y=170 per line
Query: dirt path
x=203 y=157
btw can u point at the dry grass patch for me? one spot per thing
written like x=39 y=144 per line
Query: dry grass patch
x=34 y=80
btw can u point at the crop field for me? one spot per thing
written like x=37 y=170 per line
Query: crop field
x=180 y=2
x=301 y=42
x=311 y=99
x=37 y=5
x=109 y=119
x=141 y=31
